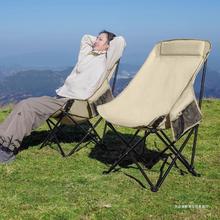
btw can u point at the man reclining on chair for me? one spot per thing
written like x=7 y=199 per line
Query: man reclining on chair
x=82 y=82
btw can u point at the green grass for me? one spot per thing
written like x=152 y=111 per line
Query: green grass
x=40 y=184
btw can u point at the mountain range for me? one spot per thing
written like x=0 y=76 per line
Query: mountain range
x=27 y=83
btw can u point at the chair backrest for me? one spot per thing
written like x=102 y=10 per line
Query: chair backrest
x=170 y=68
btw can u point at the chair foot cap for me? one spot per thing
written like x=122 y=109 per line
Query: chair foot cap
x=194 y=173
x=154 y=189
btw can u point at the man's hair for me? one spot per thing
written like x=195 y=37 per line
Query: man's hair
x=110 y=35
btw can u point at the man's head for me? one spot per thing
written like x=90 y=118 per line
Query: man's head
x=103 y=40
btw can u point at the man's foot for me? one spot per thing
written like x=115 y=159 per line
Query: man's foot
x=6 y=155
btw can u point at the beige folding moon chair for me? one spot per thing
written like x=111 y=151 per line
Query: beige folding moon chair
x=159 y=98
x=75 y=112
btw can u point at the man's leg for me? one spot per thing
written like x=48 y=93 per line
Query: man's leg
x=26 y=116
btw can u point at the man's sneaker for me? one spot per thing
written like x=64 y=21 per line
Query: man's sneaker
x=6 y=155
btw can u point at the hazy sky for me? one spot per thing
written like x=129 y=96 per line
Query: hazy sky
x=49 y=31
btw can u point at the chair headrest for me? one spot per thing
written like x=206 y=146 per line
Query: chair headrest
x=184 y=47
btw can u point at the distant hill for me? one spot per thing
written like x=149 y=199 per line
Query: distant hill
x=212 y=88
x=29 y=83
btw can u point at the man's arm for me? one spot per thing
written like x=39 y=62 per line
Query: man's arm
x=115 y=51
x=86 y=45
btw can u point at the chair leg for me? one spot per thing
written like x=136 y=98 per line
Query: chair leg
x=194 y=145
x=122 y=157
x=55 y=127
x=52 y=135
x=52 y=132
x=153 y=187
x=77 y=147
x=87 y=134
x=177 y=156
x=48 y=136
x=178 y=153
x=59 y=146
x=104 y=132
x=93 y=129
x=130 y=148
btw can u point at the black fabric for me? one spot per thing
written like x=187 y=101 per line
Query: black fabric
x=106 y=97
x=189 y=117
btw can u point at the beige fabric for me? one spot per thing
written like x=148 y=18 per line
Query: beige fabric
x=79 y=111
x=162 y=87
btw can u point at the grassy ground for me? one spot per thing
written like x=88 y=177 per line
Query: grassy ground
x=41 y=184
